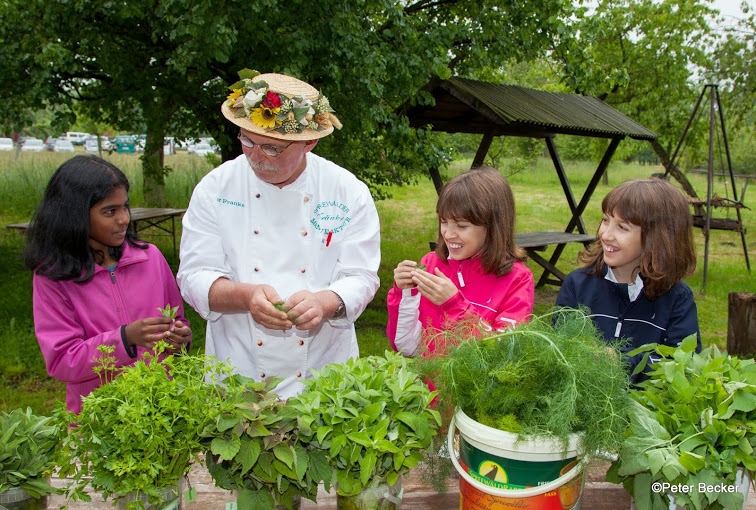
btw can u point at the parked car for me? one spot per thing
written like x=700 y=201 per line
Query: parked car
x=50 y=142
x=63 y=146
x=6 y=144
x=124 y=143
x=33 y=145
x=203 y=149
x=104 y=142
x=75 y=137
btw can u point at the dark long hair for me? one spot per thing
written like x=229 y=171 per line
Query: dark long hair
x=668 y=252
x=483 y=197
x=58 y=237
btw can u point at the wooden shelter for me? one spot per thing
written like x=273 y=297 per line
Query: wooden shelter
x=490 y=109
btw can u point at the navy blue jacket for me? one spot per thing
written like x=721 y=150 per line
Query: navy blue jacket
x=667 y=320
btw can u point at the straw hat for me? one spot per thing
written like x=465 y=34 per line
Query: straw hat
x=279 y=106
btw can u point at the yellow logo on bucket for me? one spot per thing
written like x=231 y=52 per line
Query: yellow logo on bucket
x=492 y=474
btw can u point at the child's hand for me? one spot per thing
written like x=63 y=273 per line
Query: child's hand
x=179 y=335
x=437 y=288
x=145 y=332
x=403 y=274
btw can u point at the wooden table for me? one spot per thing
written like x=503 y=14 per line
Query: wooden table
x=533 y=242
x=142 y=218
x=597 y=495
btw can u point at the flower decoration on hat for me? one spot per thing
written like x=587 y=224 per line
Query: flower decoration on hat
x=253 y=98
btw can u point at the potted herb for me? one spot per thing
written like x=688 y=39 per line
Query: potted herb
x=692 y=422
x=136 y=436
x=373 y=418
x=532 y=404
x=253 y=448
x=27 y=458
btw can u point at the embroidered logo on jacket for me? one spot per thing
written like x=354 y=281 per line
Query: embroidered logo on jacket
x=330 y=216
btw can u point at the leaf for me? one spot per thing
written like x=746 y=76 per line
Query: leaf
x=255 y=500
x=249 y=452
x=285 y=454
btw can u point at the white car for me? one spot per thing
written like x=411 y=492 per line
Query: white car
x=63 y=146
x=33 y=145
x=6 y=144
x=203 y=149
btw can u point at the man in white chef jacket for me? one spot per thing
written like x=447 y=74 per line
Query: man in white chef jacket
x=280 y=248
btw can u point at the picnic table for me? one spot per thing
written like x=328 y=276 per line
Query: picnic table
x=142 y=218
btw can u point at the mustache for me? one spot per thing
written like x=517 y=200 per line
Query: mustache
x=262 y=166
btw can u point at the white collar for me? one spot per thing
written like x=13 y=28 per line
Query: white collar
x=633 y=289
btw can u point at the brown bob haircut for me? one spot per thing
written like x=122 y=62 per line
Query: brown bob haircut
x=483 y=197
x=662 y=212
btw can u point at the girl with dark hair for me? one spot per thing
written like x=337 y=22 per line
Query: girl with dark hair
x=476 y=271
x=94 y=283
x=631 y=280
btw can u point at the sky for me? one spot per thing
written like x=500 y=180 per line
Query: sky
x=731 y=8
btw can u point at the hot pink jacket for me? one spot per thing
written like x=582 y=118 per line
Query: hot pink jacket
x=72 y=319
x=500 y=301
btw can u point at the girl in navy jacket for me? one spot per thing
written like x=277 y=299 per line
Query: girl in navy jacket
x=631 y=280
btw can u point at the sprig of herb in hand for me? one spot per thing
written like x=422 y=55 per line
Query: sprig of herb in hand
x=168 y=312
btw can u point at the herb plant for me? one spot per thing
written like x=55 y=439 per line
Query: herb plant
x=140 y=432
x=372 y=416
x=168 y=311
x=554 y=376
x=27 y=451
x=255 y=450
x=692 y=421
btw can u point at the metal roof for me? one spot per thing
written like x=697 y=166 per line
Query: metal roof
x=470 y=106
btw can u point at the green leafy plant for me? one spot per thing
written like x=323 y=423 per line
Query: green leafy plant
x=168 y=311
x=253 y=448
x=692 y=421
x=27 y=451
x=141 y=432
x=372 y=416
x=553 y=376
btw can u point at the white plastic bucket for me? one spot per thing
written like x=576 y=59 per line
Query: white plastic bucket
x=498 y=472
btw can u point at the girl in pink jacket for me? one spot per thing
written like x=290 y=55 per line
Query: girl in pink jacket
x=94 y=283
x=476 y=270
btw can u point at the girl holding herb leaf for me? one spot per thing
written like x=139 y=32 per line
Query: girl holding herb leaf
x=477 y=271
x=632 y=278
x=94 y=282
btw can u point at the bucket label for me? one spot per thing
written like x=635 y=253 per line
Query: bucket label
x=512 y=474
x=504 y=473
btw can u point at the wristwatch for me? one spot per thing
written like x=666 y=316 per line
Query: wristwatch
x=340 y=310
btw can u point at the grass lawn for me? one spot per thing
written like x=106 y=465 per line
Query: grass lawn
x=408 y=223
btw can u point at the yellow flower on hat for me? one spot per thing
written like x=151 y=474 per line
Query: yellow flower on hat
x=236 y=93
x=264 y=117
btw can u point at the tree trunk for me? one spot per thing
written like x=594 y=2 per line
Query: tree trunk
x=153 y=170
x=741 y=323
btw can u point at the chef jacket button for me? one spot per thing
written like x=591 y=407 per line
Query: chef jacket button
x=306 y=199
x=262 y=374
x=257 y=269
x=304 y=233
x=257 y=195
x=302 y=270
x=256 y=231
x=301 y=342
x=299 y=374
x=259 y=342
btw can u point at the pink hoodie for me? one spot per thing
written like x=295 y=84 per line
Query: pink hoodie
x=500 y=301
x=72 y=319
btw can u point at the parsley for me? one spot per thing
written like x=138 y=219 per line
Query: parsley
x=141 y=432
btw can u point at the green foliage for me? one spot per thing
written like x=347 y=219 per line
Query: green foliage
x=372 y=416
x=27 y=451
x=253 y=448
x=693 y=421
x=169 y=311
x=554 y=376
x=140 y=432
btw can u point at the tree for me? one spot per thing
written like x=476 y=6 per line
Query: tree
x=166 y=63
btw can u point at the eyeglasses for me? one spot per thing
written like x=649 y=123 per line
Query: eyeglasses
x=267 y=149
